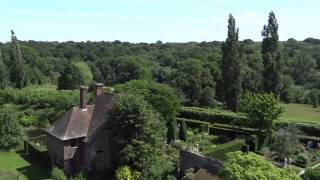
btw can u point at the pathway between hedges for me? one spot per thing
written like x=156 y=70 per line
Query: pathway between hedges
x=312 y=167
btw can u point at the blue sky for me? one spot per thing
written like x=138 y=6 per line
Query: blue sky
x=152 y=20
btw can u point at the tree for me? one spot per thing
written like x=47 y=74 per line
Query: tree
x=314 y=95
x=194 y=82
x=10 y=132
x=58 y=174
x=3 y=72
x=17 y=64
x=251 y=166
x=183 y=131
x=286 y=141
x=271 y=56
x=261 y=109
x=75 y=75
x=162 y=97
x=231 y=67
x=141 y=143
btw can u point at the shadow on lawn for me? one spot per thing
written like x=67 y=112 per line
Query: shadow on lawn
x=35 y=171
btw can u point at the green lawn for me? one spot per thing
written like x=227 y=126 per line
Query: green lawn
x=300 y=113
x=17 y=163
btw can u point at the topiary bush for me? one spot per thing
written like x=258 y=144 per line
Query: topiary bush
x=183 y=131
x=172 y=131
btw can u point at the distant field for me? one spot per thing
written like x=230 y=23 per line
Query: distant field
x=15 y=163
x=300 y=113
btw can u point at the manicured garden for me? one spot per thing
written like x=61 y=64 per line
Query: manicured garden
x=19 y=164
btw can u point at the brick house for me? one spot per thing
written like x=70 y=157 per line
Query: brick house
x=82 y=138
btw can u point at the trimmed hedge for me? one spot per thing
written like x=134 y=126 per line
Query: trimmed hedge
x=212 y=116
x=38 y=153
x=220 y=151
x=222 y=117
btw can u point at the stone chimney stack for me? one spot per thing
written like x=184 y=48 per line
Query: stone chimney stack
x=99 y=89
x=83 y=100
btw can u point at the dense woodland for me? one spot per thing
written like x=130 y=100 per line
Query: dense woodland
x=152 y=81
x=192 y=68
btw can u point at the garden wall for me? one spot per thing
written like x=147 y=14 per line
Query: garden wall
x=190 y=160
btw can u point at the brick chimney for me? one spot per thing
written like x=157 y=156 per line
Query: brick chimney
x=99 y=89
x=83 y=100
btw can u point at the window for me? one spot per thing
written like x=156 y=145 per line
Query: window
x=99 y=151
x=73 y=143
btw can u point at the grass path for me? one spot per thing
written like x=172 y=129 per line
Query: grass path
x=300 y=113
x=18 y=163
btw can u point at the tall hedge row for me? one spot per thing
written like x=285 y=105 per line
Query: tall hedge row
x=40 y=98
x=229 y=118
x=212 y=116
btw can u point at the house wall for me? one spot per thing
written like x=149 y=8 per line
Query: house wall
x=55 y=150
x=102 y=151
x=62 y=154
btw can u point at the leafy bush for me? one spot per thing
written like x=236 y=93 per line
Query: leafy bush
x=240 y=165
x=302 y=160
x=183 y=131
x=10 y=132
x=189 y=174
x=172 y=131
x=126 y=173
x=58 y=174
x=28 y=120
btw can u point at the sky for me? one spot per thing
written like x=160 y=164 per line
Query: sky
x=152 y=20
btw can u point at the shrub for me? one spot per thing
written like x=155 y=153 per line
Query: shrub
x=27 y=120
x=126 y=173
x=80 y=176
x=172 y=131
x=58 y=174
x=223 y=139
x=10 y=132
x=183 y=131
x=302 y=160
x=189 y=174
x=314 y=96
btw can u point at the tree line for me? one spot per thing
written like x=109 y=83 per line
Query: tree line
x=203 y=73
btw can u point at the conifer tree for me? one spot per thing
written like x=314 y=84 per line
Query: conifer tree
x=183 y=131
x=231 y=67
x=271 y=55
x=17 y=64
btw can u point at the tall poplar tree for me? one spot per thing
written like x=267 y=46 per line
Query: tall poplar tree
x=231 y=67
x=3 y=72
x=17 y=63
x=271 y=55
